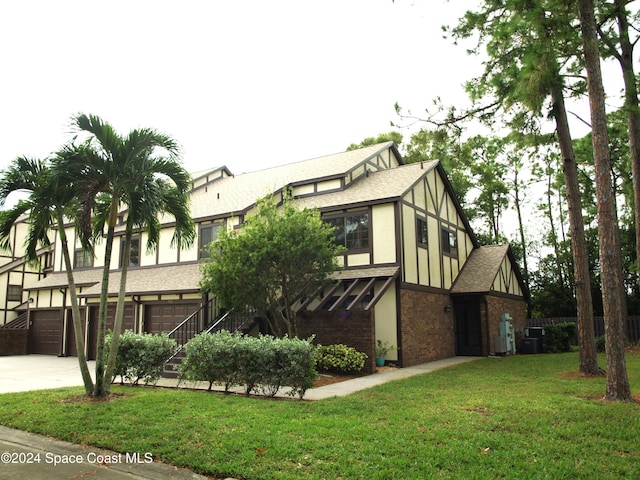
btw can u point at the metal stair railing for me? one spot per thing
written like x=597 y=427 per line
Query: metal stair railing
x=194 y=324
x=233 y=321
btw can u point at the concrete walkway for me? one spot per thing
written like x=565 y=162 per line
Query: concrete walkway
x=25 y=455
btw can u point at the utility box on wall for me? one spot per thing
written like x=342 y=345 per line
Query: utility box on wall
x=505 y=343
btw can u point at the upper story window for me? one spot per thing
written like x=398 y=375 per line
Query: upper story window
x=82 y=259
x=449 y=242
x=352 y=230
x=422 y=234
x=208 y=234
x=134 y=253
x=14 y=293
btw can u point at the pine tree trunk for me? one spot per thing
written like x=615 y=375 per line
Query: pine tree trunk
x=586 y=336
x=633 y=112
x=618 y=388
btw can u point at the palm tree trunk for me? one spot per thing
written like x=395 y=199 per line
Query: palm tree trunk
x=102 y=382
x=584 y=300
x=117 y=327
x=75 y=309
x=613 y=298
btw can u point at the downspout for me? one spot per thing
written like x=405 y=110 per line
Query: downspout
x=137 y=322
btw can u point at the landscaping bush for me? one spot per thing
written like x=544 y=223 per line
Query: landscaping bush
x=339 y=358
x=141 y=356
x=261 y=363
x=600 y=344
x=209 y=357
x=559 y=337
x=294 y=365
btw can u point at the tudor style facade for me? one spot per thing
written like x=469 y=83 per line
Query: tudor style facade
x=413 y=272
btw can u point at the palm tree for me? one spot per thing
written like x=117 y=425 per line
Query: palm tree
x=124 y=174
x=46 y=206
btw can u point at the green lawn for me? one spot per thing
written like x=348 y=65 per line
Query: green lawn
x=514 y=417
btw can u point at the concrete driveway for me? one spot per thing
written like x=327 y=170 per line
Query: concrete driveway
x=21 y=373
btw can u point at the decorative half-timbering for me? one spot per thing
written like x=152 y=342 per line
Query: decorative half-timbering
x=413 y=273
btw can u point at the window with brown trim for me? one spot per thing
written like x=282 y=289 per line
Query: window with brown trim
x=422 y=233
x=134 y=252
x=449 y=242
x=352 y=230
x=208 y=234
x=82 y=259
x=14 y=293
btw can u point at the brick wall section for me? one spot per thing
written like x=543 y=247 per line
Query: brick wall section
x=427 y=331
x=13 y=341
x=498 y=305
x=354 y=329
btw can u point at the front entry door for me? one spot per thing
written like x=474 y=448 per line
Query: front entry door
x=468 y=328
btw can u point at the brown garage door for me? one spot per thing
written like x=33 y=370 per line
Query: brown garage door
x=165 y=317
x=45 y=332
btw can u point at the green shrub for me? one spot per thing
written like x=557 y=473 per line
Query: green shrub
x=600 y=344
x=141 y=356
x=559 y=337
x=262 y=363
x=209 y=357
x=339 y=358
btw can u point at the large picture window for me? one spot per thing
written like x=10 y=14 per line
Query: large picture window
x=352 y=230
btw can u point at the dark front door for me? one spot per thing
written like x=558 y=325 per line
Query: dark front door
x=468 y=329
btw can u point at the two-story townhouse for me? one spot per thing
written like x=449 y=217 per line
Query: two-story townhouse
x=413 y=275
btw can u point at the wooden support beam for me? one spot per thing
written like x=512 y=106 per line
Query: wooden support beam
x=327 y=296
x=345 y=295
x=381 y=292
x=364 y=291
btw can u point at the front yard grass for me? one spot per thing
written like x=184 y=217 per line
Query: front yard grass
x=513 y=417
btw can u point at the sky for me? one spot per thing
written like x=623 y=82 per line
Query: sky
x=247 y=84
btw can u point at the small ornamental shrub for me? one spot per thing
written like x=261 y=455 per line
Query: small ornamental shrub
x=209 y=357
x=339 y=358
x=600 y=344
x=141 y=356
x=559 y=337
x=263 y=363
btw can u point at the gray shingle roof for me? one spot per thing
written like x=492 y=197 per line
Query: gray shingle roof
x=238 y=193
x=480 y=270
x=182 y=278
x=381 y=185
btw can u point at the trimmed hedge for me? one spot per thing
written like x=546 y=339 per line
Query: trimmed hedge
x=141 y=356
x=263 y=363
x=559 y=337
x=339 y=358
